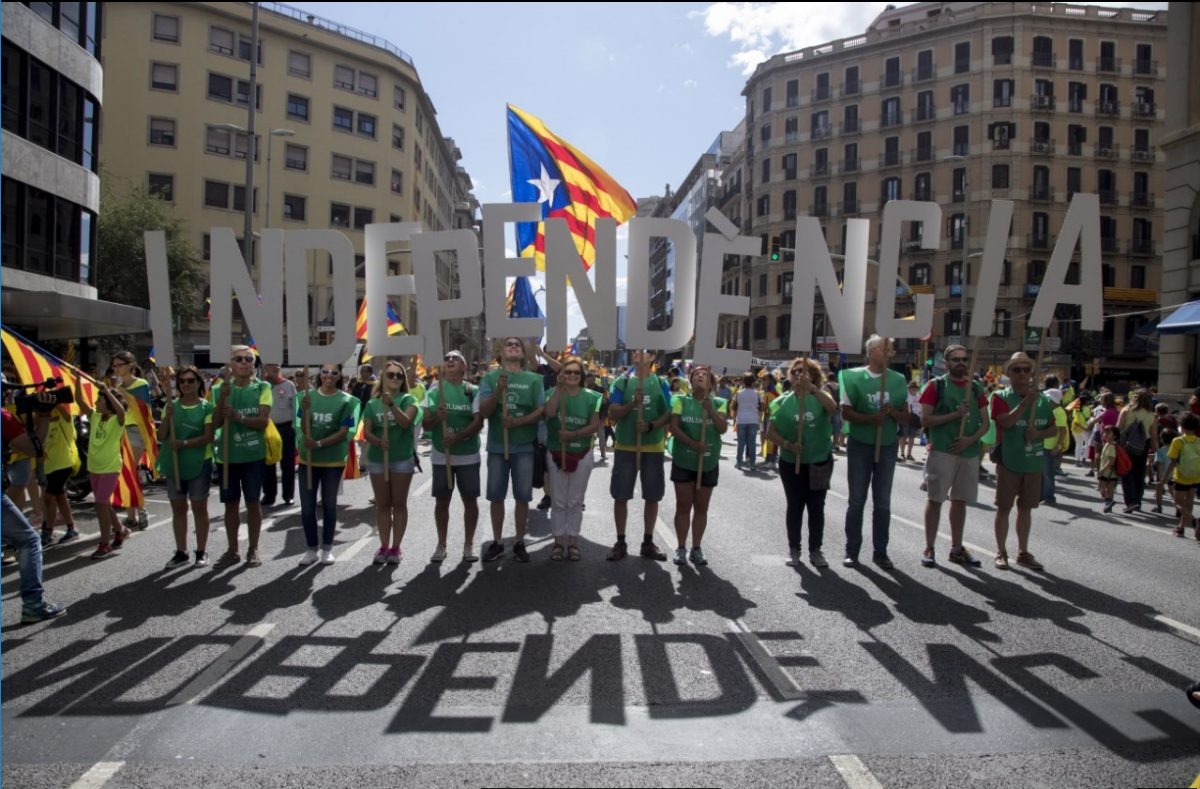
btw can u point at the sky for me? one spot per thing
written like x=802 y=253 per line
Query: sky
x=643 y=89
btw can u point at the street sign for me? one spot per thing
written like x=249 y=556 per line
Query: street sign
x=1033 y=336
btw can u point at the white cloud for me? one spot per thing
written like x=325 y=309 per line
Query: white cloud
x=687 y=48
x=690 y=83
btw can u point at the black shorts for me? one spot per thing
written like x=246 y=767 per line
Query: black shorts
x=687 y=476
x=56 y=481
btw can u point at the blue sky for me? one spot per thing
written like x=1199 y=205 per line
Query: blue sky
x=643 y=89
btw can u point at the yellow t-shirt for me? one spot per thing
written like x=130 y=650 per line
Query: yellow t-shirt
x=1178 y=447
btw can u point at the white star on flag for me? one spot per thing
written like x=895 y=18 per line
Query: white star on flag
x=545 y=186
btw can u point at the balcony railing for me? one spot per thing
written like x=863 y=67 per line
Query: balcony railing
x=1142 y=200
x=1041 y=194
x=851 y=126
x=1044 y=60
x=1041 y=147
x=820 y=132
x=1109 y=196
x=850 y=207
x=1003 y=59
x=1107 y=150
x=1000 y=143
x=962 y=107
x=1074 y=104
x=850 y=165
x=889 y=121
x=890 y=159
x=1109 y=244
x=819 y=209
x=923 y=114
x=850 y=88
x=922 y=155
x=818 y=170
x=1034 y=241
x=1146 y=67
x=1142 y=154
x=821 y=94
x=1108 y=108
x=891 y=79
x=1141 y=246
x=1040 y=103
x=1145 y=109
x=1108 y=64
x=922 y=73
x=793 y=100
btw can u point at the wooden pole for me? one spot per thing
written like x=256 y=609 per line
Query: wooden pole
x=882 y=392
x=962 y=423
x=800 y=415
x=387 y=414
x=445 y=428
x=226 y=428
x=171 y=430
x=700 y=460
x=1037 y=371
x=307 y=426
x=641 y=413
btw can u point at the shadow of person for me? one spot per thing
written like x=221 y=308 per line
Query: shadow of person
x=427 y=589
x=359 y=590
x=173 y=594
x=701 y=589
x=645 y=586
x=1135 y=613
x=1008 y=597
x=292 y=587
x=828 y=591
x=920 y=604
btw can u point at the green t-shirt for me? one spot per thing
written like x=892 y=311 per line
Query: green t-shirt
x=187 y=421
x=245 y=443
x=459 y=415
x=330 y=413
x=860 y=389
x=656 y=402
x=400 y=439
x=691 y=418
x=104 y=444
x=1015 y=454
x=948 y=399
x=525 y=395
x=818 y=428
x=576 y=412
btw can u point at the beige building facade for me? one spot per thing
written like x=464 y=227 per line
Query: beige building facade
x=345 y=135
x=959 y=104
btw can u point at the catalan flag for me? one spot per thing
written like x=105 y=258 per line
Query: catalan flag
x=553 y=173
x=394 y=326
x=35 y=364
x=128 y=492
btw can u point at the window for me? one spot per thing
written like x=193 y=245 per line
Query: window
x=762 y=292
x=955 y=230
x=891 y=152
x=783 y=328
x=368 y=84
x=789 y=166
x=792 y=92
x=920 y=274
x=1076 y=137
x=366 y=125
x=161 y=185
x=243 y=93
x=1074 y=179
x=397 y=182
x=295 y=157
x=791 y=129
x=766 y=171
x=1002 y=49
x=1076 y=96
x=1075 y=58
x=999 y=176
x=343 y=119
x=890 y=112
x=766 y=99
x=398 y=137
x=162 y=131
x=1002 y=91
x=786 y=291
x=960 y=97
x=398 y=98
x=343 y=77
x=363 y=217
x=343 y=166
x=166 y=28
x=294 y=207
x=297 y=107
x=823 y=91
x=164 y=76
x=890 y=189
x=364 y=172
x=925 y=111
x=820 y=124
x=891 y=73
x=220 y=40
x=923 y=189
x=239 y=199
x=1002 y=325
x=962 y=140
x=220 y=87
x=851 y=86
x=850 y=162
x=1000 y=134
x=1041 y=226
x=958 y=184
x=244 y=49
x=850 y=119
x=760 y=323
x=962 y=57
x=924 y=151
x=925 y=64
x=849 y=202
x=764 y=205
x=1137 y=276
x=339 y=215
x=216 y=194
x=217 y=141
x=299 y=64
x=1043 y=52
x=1108 y=60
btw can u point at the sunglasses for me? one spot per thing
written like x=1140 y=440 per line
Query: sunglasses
x=394 y=376
x=329 y=372
x=241 y=358
x=513 y=344
x=121 y=363
x=451 y=359
x=1024 y=370
x=570 y=372
x=182 y=381
x=958 y=360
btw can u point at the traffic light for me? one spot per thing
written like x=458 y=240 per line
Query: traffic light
x=774 y=249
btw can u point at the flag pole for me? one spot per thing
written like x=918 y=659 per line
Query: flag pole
x=800 y=417
x=226 y=427
x=882 y=391
x=962 y=424
x=445 y=426
x=704 y=450
x=307 y=427
x=388 y=413
x=171 y=430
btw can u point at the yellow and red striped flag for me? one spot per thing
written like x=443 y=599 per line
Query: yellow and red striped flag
x=129 y=486
x=35 y=365
x=138 y=411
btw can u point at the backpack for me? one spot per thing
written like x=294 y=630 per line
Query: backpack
x=1189 y=462
x=1124 y=464
x=939 y=384
x=1134 y=438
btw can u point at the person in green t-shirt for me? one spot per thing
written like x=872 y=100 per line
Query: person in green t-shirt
x=512 y=399
x=242 y=413
x=106 y=427
x=954 y=411
x=454 y=425
x=389 y=424
x=874 y=404
x=187 y=433
x=640 y=403
x=327 y=416
x=810 y=404
x=698 y=420
x=572 y=418
x=1024 y=418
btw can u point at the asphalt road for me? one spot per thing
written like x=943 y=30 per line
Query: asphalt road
x=743 y=673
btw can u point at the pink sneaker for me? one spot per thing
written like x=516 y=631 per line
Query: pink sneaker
x=380 y=556
x=394 y=555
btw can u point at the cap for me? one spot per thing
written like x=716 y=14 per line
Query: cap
x=1055 y=395
x=458 y=355
x=1020 y=357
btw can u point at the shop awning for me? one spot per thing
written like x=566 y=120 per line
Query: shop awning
x=1184 y=320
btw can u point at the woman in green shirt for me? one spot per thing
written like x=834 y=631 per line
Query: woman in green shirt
x=327 y=415
x=692 y=416
x=572 y=418
x=392 y=403
x=187 y=433
x=804 y=484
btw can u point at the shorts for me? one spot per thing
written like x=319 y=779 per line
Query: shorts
x=519 y=466
x=394 y=466
x=679 y=474
x=56 y=481
x=1108 y=479
x=908 y=431
x=245 y=481
x=103 y=486
x=195 y=489
x=1181 y=487
x=625 y=473
x=1024 y=488
x=465 y=478
x=950 y=476
x=20 y=472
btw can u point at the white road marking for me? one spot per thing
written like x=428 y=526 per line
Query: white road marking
x=1176 y=625
x=667 y=536
x=921 y=526
x=424 y=486
x=206 y=679
x=356 y=546
x=98 y=775
x=783 y=682
x=854 y=772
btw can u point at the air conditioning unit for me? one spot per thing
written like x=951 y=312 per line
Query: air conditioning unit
x=1042 y=102
x=1040 y=146
x=1142 y=156
x=1106 y=153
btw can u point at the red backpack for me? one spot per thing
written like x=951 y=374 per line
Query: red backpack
x=1124 y=464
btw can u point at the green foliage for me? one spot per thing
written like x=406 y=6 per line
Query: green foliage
x=121 y=257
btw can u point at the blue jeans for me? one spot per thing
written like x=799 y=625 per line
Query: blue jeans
x=1049 y=464
x=862 y=472
x=746 y=435
x=325 y=479
x=18 y=533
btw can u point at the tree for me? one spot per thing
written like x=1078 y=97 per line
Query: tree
x=121 y=258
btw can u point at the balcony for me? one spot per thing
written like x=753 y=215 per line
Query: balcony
x=820 y=94
x=1108 y=65
x=851 y=126
x=1000 y=143
x=1110 y=109
x=1002 y=59
x=1044 y=60
x=1107 y=150
x=1035 y=241
x=924 y=73
x=1109 y=244
x=962 y=107
x=1109 y=196
x=818 y=170
x=819 y=210
x=1074 y=148
x=1145 y=109
x=1145 y=68
x=1142 y=200
x=891 y=79
x=1040 y=103
x=921 y=155
x=1041 y=147
x=820 y=132
x=1142 y=154
x=924 y=114
x=850 y=165
x=891 y=121
x=1141 y=246
x=1074 y=104
x=1001 y=101
x=791 y=137
x=890 y=159
x=850 y=207
x=850 y=88
x=789 y=175
x=793 y=100
x=1041 y=194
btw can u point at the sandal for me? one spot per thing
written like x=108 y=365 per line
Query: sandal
x=1178 y=531
x=556 y=553
x=573 y=553
x=1002 y=561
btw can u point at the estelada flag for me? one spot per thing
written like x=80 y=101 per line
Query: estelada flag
x=35 y=365
x=548 y=170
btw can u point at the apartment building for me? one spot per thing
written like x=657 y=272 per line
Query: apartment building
x=962 y=103
x=52 y=96
x=345 y=134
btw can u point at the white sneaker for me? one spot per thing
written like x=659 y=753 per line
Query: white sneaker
x=439 y=555
x=327 y=556
x=817 y=559
x=793 y=559
x=310 y=557
x=469 y=554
